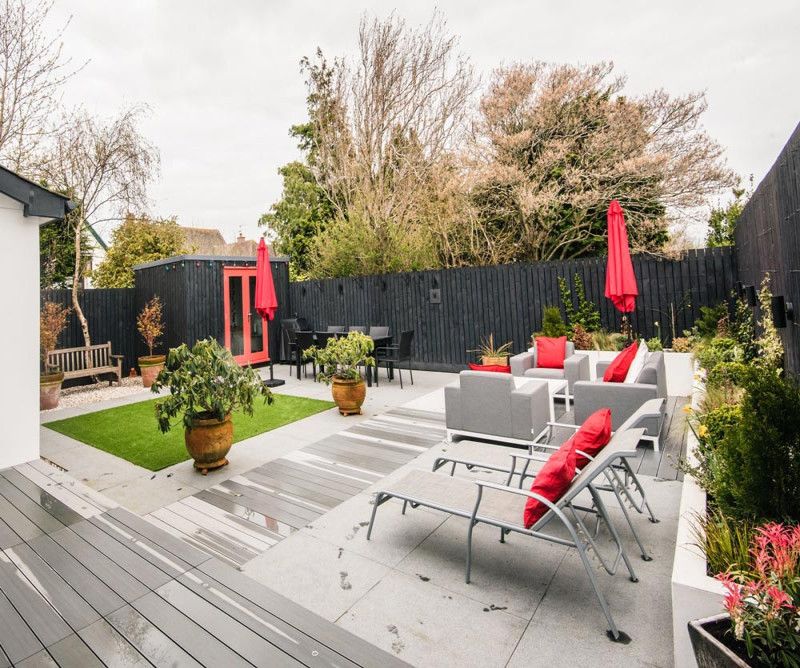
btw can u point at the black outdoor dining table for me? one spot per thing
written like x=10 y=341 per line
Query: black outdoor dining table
x=378 y=341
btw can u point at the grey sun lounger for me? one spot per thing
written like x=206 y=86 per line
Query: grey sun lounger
x=622 y=480
x=502 y=506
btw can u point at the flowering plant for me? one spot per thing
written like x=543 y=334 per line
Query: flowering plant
x=205 y=382
x=764 y=601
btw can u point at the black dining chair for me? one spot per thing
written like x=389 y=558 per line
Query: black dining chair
x=324 y=337
x=379 y=332
x=303 y=341
x=357 y=328
x=393 y=355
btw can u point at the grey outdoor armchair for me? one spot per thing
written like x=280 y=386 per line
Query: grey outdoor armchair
x=576 y=366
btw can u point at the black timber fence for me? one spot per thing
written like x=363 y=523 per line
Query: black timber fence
x=111 y=314
x=450 y=310
x=768 y=240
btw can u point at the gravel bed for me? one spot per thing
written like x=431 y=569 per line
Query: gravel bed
x=97 y=392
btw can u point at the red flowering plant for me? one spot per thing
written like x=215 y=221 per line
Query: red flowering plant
x=764 y=600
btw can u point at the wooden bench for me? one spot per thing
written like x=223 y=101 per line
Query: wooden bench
x=86 y=361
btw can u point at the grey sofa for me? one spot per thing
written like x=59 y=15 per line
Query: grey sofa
x=488 y=404
x=624 y=399
x=576 y=367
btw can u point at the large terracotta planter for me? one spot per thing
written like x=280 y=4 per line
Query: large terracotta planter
x=349 y=395
x=208 y=441
x=50 y=390
x=712 y=647
x=150 y=366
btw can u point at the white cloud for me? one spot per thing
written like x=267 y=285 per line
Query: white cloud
x=223 y=79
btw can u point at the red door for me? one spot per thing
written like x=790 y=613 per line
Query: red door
x=245 y=330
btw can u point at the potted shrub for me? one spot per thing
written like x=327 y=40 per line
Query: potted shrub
x=339 y=363
x=489 y=354
x=206 y=386
x=150 y=324
x=52 y=321
x=762 y=624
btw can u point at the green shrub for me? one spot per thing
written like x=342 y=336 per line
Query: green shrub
x=725 y=541
x=608 y=340
x=756 y=465
x=706 y=325
x=654 y=344
x=586 y=315
x=205 y=382
x=716 y=351
x=710 y=429
x=342 y=357
x=743 y=330
x=552 y=323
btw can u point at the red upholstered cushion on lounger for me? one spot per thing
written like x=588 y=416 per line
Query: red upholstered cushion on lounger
x=551 y=482
x=592 y=436
x=618 y=369
x=551 y=352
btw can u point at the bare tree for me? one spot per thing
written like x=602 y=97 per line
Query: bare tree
x=104 y=166
x=33 y=71
x=385 y=125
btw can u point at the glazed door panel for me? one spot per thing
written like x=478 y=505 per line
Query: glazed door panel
x=245 y=330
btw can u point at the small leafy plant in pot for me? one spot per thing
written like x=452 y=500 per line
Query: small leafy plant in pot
x=339 y=363
x=206 y=386
x=150 y=323
x=491 y=355
x=52 y=321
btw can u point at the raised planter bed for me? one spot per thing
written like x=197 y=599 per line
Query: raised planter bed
x=695 y=595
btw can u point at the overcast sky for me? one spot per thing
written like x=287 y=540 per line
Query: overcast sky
x=223 y=82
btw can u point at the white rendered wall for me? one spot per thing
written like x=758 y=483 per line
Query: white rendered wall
x=19 y=334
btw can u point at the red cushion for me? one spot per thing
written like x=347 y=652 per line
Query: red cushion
x=498 y=368
x=593 y=435
x=618 y=369
x=551 y=352
x=551 y=482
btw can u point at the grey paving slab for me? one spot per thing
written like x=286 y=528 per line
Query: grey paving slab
x=49 y=503
x=318 y=575
x=225 y=628
x=69 y=604
x=17 y=640
x=427 y=625
x=110 y=647
x=96 y=593
x=191 y=637
x=148 y=640
x=115 y=575
x=73 y=651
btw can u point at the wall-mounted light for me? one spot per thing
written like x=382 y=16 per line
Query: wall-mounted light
x=750 y=293
x=782 y=311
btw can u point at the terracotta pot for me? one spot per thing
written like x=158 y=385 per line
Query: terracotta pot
x=208 y=441
x=494 y=360
x=349 y=395
x=150 y=366
x=50 y=390
x=713 y=648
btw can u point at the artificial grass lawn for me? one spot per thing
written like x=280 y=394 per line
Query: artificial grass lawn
x=131 y=431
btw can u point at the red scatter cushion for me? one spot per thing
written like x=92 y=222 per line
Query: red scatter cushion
x=618 y=369
x=497 y=368
x=551 y=482
x=592 y=436
x=551 y=352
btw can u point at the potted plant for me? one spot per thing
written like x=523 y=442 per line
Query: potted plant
x=488 y=354
x=150 y=324
x=52 y=321
x=206 y=385
x=339 y=363
x=762 y=624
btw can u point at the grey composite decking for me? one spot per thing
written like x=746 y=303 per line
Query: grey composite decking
x=84 y=583
x=242 y=517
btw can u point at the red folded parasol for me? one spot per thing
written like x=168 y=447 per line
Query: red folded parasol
x=266 y=302
x=620 y=280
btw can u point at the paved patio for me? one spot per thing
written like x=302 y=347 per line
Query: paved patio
x=292 y=509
